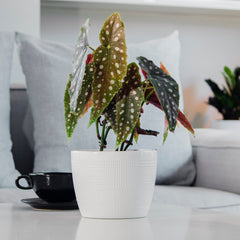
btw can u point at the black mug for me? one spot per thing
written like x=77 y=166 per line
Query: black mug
x=50 y=186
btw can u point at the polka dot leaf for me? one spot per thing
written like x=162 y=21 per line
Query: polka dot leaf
x=110 y=113
x=166 y=89
x=110 y=65
x=78 y=65
x=83 y=102
x=128 y=106
x=70 y=118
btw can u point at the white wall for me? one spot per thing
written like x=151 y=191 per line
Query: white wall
x=23 y=16
x=208 y=43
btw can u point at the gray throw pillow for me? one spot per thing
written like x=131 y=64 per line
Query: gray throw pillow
x=8 y=172
x=46 y=66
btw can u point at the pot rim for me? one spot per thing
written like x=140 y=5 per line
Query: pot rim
x=113 y=150
x=50 y=173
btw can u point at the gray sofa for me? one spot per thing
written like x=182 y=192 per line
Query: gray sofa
x=216 y=186
x=21 y=129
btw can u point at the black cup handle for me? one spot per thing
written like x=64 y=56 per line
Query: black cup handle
x=27 y=178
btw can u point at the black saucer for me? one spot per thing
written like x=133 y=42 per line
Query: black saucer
x=38 y=203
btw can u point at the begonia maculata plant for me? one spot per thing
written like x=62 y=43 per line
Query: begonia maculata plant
x=115 y=91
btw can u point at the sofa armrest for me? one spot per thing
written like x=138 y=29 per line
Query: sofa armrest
x=217 y=159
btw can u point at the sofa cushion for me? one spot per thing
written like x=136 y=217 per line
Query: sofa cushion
x=8 y=173
x=197 y=197
x=46 y=66
x=216 y=155
x=21 y=129
x=175 y=165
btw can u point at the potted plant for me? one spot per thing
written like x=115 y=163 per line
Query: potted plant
x=116 y=183
x=227 y=99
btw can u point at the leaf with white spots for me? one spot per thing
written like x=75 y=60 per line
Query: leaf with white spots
x=86 y=90
x=110 y=65
x=110 y=113
x=83 y=102
x=70 y=118
x=166 y=89
x=78 y=65
x=129 y=100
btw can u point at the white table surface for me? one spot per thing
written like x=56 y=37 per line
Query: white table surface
x=21 y=222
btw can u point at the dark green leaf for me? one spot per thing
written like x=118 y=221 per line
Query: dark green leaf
x=71 y=118
x=214 y=87
x=128 y=106
x=110 y=113
x=228 y=83
x=166 y=88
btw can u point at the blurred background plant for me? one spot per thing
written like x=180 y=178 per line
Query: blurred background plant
x=227 y=100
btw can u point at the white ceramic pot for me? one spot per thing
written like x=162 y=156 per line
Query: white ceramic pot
x=112 y=184
x=226 y=124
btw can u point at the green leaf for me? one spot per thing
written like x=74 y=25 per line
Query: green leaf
x=78 y=65
x=165 y=87
x=165 y=134
x=228 y=71
x=228 y=83
x=136 y=133
x=215 y=89
x=110 y=65
x=110 y=113
x=128 y=106
x=237 y=79
x=86 y=90
x=71 y=118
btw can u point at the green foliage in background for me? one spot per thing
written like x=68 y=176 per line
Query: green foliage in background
x=227 y=99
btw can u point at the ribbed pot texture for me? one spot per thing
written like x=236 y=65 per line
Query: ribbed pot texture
x=112 y=184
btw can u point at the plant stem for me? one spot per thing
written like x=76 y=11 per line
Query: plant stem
x=102 y=136
x=122 y=146
x=130 y=140
x=145 y=99
x=91 y=48
x=106 y=133
x=97 y=130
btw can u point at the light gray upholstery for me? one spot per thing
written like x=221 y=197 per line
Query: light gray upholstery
x=21 y=129
x=197 y=197
x=217 y=159
x=8 y=172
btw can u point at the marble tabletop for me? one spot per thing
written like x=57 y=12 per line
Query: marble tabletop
x=166 y=222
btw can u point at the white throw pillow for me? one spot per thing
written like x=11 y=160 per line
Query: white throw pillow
x=165 y=50
x=47 y=65
x=8 y=172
